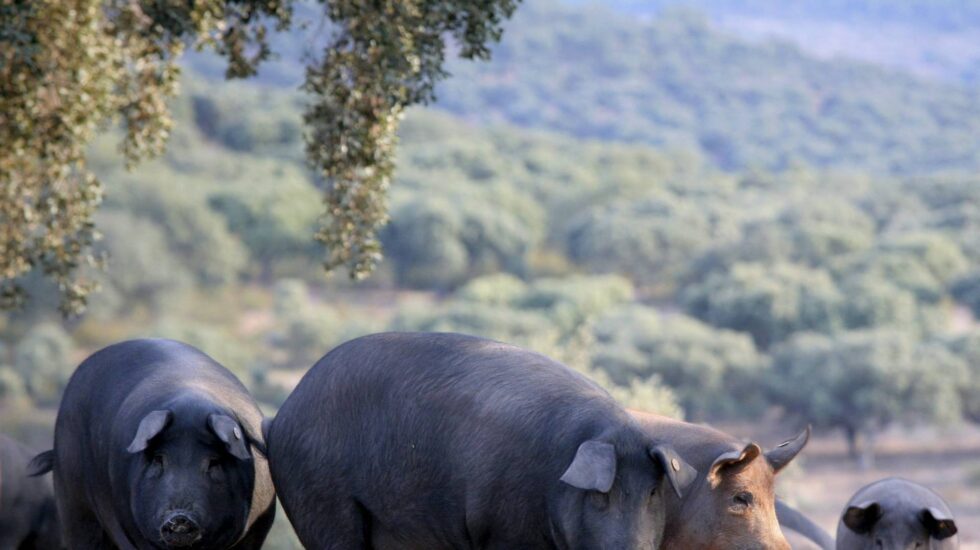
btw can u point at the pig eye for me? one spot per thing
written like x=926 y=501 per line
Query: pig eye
x=213 y=464
x=599 y=500
x=158 y=460
x=743 y=500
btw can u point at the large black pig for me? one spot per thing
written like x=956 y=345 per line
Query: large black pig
x=417 y=441
x=28 y=517
x=155 y=448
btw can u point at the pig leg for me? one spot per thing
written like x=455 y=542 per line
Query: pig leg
x=83 y=532
x=260 y=529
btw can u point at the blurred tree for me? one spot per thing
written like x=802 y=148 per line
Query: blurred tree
x=308 y=329
x=13 y=392
x=811 y=232
x=273 y=218
x=290 y=295
x=247 y=120
x=440 y=237
x=953 y=207
x=862 y=381
x=873 y=301
x=496 y=289
x=966 y=290
x=43 y=358
x=967 y=347
x=714 y=373
x=769 y=301
x=144 y=270
x=571 y=303
x=69 y=66
x=650 y=239
x=197 y=236
x=924 y=263
x=307 y=335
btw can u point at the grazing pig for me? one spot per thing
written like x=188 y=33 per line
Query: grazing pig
x=430 y=441
x=896 y=514
x=801 y=532
x=731 y=505
x=154 y=447
x=28 y=517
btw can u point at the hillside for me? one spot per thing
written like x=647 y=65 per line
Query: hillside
x=684 y=85
x=937 y=14
x=938 y=40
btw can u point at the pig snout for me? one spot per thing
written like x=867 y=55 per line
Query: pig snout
x=180 y=530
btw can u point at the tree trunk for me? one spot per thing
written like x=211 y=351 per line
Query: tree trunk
x=853 y=449
x=867 y=461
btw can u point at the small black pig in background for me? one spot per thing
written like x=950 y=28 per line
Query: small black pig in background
x=154 y=447
x=897 y=514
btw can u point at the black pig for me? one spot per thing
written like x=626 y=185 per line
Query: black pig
x=897 y=514
x=417 y=441
x=154 y=449
x=28 y=517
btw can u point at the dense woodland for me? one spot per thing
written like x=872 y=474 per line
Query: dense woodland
x=700 y=219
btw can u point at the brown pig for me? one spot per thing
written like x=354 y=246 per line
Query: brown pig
x=732 y=503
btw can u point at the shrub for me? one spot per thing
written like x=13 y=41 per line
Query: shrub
x=43 y=359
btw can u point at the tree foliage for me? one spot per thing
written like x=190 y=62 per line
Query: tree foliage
x=143 y=268
x=196 y=234
x=67 y=68
x=770 y=302
x=442 y=239
x=43 y=358
x=714 y=372
x=863 y=381
x=967 y=348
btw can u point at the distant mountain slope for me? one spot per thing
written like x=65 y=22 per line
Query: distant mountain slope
x=937 y=14
x=936 y=39
x=675 y=82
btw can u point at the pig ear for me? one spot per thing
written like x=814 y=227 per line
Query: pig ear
x=593 y=468
x=940 y=525
x=228 y=431
x=41 y=464
x=786 y=451
x=678 y=472
x=732 y=459
x=150 y=427
x=862 y=518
